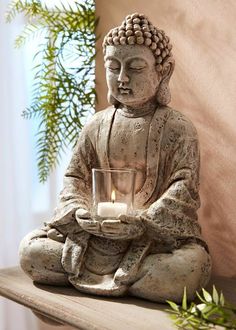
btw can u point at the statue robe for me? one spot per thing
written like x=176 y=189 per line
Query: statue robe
x=169 y=196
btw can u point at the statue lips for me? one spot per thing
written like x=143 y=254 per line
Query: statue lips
x=124 y=90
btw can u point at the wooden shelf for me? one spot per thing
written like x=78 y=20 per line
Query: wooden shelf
x=70 y=307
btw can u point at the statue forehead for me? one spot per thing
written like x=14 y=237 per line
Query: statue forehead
x=127 y=52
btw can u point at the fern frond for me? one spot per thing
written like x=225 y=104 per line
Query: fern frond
x=31 y=8
x=63 y=93
x=30 y=31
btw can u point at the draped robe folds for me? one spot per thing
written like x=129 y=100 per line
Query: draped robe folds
x=169 y=199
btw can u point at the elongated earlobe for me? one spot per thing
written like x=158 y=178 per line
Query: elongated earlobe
x=163 y=95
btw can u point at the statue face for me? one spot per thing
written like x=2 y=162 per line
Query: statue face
x=131 y=75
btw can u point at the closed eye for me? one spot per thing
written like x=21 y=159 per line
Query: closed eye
x=137 y=64
x=113 y=69
x=112 y=65
x=137 y=68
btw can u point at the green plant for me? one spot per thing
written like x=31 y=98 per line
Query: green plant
x=64 y=81
x=210 y=312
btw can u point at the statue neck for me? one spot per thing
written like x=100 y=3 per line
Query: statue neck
x=139 y=110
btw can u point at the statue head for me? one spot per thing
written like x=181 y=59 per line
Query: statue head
x=138 y=62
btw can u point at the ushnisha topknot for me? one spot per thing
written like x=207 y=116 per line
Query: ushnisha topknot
x=137 y=29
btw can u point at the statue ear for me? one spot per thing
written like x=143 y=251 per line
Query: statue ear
x=163 y=95
x=112 y=100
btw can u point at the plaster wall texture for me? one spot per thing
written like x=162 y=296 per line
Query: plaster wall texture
x=204 y=89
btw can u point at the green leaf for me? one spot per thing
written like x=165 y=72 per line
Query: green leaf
x=207 y=295
x=222 y=299
x=201 y=307
x=184 y=300
x=215 y=295
x=207 y=315
x=173 y=305
x=200 y=297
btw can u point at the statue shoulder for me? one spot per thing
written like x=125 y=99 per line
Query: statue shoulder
x=104 y=112
x=181 y=124
x=96 y=120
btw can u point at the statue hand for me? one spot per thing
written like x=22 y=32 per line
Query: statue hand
x=125 y=227
x=91 y=226
x=83 y=217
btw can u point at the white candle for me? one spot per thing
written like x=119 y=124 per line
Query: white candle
x=111 y=209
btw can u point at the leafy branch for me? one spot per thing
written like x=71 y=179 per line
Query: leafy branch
x=64 y=81
x=210 y=312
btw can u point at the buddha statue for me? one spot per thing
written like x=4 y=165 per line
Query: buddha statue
x=159 y=250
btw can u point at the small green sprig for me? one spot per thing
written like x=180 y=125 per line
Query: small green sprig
x=64 y=82
x=211 y=311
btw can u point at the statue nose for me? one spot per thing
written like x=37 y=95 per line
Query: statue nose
x=123 y=77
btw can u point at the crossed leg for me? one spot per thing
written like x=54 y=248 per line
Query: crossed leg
x=40 y=258
x=163 y=276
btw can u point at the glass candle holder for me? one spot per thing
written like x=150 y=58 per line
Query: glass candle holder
x=113 y=192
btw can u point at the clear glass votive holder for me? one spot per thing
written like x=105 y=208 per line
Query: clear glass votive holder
x=113 y=192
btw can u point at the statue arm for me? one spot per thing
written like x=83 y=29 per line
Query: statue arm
x=174 y=213
x=76 y=191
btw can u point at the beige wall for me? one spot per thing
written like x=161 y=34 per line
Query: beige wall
x=203 y=34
